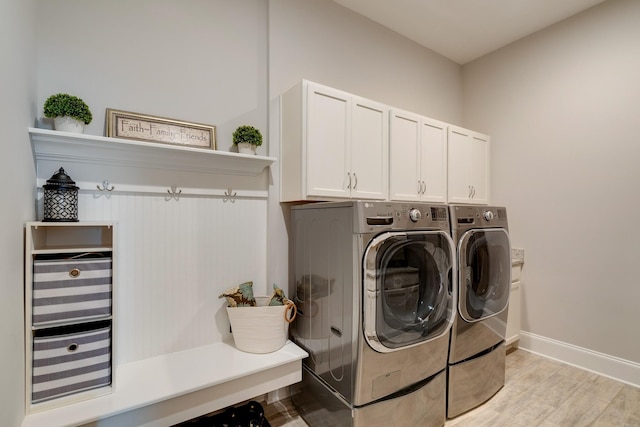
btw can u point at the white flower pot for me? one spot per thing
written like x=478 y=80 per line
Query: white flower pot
x=68 y=124
x=246 y=148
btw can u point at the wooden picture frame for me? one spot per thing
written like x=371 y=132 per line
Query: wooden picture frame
x=143 y=127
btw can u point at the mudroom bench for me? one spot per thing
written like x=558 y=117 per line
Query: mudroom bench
x=176 y=387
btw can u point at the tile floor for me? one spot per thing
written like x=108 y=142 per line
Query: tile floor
x=538 y=392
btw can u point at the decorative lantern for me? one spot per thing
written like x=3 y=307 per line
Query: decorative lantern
x=60 y=198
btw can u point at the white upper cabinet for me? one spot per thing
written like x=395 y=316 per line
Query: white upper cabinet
x=468 y=155
x=334 y=145
x=418 y=158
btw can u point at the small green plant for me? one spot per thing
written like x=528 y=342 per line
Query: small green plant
x=62 y=104
x=247 y=134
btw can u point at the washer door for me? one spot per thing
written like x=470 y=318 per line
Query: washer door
x=409 y=296
x=485 y=273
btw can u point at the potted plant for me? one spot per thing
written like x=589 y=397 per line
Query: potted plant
x=247 y=138
x=69 y=112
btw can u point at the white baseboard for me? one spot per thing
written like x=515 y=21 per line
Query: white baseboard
x=603 y=364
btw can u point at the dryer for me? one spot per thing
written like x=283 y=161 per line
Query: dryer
x=373 y=282
x=476 y=368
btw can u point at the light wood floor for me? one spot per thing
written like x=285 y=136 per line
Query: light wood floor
x=538 y=392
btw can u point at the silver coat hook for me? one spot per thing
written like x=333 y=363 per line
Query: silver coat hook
x=174 y=194
x=105 y=186
x=229 y=196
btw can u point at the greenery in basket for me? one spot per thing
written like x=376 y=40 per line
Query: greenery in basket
x=62 y=104
x=247 y=134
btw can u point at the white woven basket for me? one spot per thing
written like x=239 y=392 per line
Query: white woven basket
x=261 y=329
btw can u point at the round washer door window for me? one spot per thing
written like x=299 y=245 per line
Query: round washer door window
x=485 y=273
x=409 y=297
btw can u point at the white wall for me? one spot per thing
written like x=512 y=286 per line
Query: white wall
x=195 y=60
x=199 y=61
x=17 y=109
x=324 y=42
x=562 y=107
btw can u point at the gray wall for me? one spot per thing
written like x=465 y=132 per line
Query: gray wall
x=17 y=109
x=324 y=42
x=195 y=60
x=562 y=107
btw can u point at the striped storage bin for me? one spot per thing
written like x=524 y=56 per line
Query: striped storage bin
x=71 y=289
x=70 y=359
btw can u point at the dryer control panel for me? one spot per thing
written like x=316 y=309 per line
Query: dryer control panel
x=464 y=217
x=380 y=216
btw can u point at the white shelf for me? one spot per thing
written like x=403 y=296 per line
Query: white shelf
x=83 y=148
x=90 y=160
x=218 y=371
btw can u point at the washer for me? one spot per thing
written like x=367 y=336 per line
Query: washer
x=476 y=368
x=373 y=282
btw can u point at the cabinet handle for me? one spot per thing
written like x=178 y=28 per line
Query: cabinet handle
x=74 y=273
x=349 y=176
x=355 y=186
x=473 y=192
x=424 y=187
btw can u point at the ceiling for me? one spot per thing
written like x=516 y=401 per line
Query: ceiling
x=463 y=30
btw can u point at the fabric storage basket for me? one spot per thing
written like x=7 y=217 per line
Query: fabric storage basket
x=71 y=289
x=70 y=359
x=261 y=329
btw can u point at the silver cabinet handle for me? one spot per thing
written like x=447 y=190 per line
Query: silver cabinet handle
x=355 y=186
x=349 y=176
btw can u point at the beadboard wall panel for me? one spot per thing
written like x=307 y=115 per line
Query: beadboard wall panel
x=175 y=256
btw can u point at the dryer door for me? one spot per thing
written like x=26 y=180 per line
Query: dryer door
x=485 y=273
x=409 y=296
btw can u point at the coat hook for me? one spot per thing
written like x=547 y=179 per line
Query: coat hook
x=105 y=186
x=174 y=194
x=229 y=195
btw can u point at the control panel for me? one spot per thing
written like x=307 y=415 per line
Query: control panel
x=378 y=216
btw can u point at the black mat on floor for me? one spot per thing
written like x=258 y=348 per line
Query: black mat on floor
x=250 y=414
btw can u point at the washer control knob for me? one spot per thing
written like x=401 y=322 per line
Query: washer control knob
x=488 y=215
x=414 y=215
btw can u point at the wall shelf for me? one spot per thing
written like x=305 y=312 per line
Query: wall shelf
x=90 y=160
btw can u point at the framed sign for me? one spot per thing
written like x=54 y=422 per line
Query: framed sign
x=142 y=127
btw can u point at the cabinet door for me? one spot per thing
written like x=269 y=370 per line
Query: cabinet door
x=459 y=188
x=328 y=129
x=433 y=161
x=468 y=166
x=404 y=174
x=479 y=167
x=369 y=170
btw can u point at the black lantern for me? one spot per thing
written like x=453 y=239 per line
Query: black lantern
x=60 y=198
